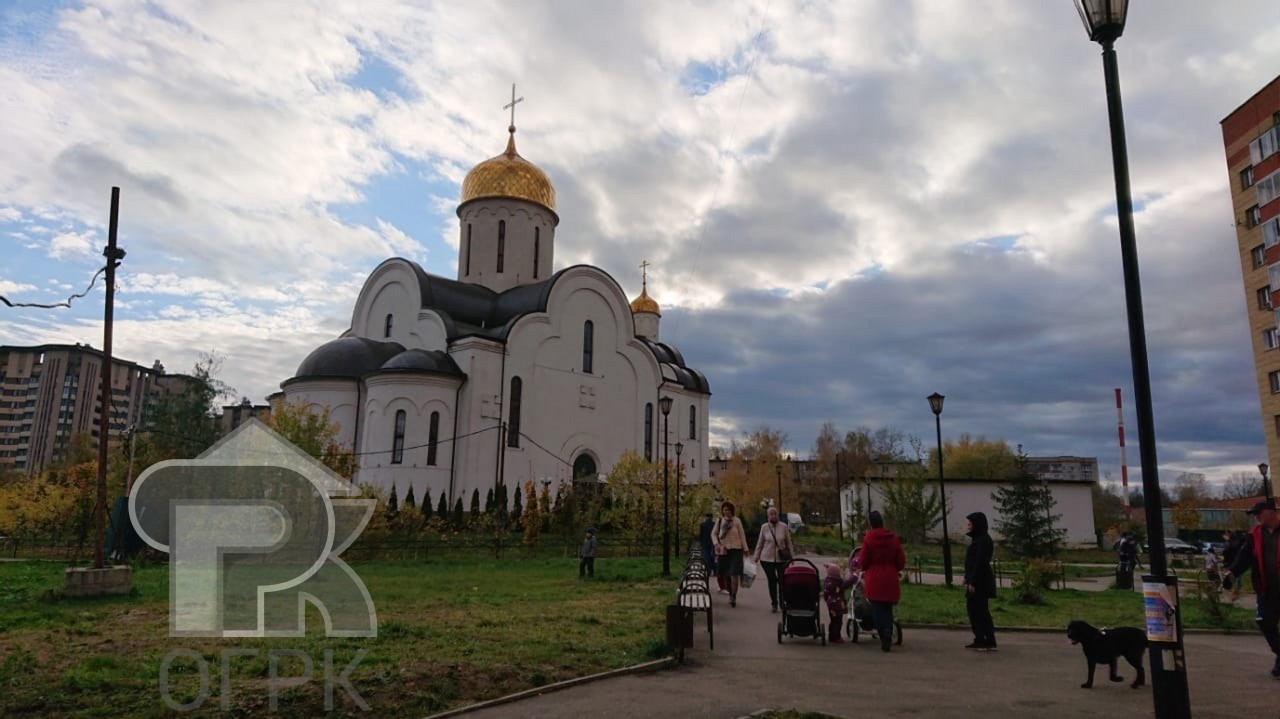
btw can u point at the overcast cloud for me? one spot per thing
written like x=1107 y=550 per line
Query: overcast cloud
x=848 y=205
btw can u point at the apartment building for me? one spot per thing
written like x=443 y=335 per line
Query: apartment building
x=1251 y=139
x=52 y=393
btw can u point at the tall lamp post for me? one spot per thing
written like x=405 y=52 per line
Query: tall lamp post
x=777 y=503
x=664 y=404
x=935 y=403
x=1266 y=479
x=679 y=485
x=1104 y=21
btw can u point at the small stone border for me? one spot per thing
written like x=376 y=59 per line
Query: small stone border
x=557 y=686
x=1053 y=630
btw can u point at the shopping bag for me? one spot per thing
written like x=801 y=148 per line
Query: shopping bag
x=748 y=573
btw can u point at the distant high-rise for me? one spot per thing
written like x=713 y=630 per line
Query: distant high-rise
x=1251 y=136
x=51 y=393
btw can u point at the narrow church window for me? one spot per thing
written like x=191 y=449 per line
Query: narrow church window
x=386 y=327
x=588 y=340
x=693 y=423
x=537 y=243
x=648 y=432
x=513 y=420
x=502 y=242
x=467 y=251
x=433 y=438
x=397 y=444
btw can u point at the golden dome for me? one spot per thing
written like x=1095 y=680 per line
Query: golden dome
x=644 y=303
x=509 y=175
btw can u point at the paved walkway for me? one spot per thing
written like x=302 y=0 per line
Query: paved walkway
x=931 y=675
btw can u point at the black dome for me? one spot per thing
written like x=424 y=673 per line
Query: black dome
x=347 y=357
x=416 y=360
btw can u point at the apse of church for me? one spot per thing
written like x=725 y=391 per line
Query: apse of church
x=514 y=371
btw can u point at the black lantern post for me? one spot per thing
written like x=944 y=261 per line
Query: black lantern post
x=1104 y=21
x=1264 y=468
x=935 y=403
x=664 y=404
x=679 y=484
x=777 y=503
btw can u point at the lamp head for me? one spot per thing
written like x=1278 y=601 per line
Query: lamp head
x=1263 y=467
x=664 y=404
x=935 y=403
x=679 y=448
x=1103 y=19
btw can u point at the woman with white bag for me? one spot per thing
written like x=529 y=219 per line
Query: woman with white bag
x=731 y=548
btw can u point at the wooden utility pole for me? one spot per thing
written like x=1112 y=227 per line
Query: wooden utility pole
x=113 y=255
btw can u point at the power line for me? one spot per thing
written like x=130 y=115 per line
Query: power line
x=64 y=303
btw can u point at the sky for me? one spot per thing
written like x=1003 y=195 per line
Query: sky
x=847 y=206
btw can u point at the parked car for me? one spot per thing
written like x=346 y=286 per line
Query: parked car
x=1173 y=545
x=1218 y=547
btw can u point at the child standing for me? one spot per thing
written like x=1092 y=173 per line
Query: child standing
x=587 y=555
x=837 y=605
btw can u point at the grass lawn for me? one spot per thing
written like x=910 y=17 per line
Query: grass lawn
x=451 y=632
x=933 y=604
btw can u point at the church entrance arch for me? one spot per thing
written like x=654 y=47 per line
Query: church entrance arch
x=584 y=468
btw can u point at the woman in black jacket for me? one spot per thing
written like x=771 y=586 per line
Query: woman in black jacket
x=979 y=584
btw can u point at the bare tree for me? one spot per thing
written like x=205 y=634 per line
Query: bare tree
x=1241 y=485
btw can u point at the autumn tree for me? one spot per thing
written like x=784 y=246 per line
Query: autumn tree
x=1108 y=506
x=531 y=517
x=912 y=506
x=968 y=457
x=1191 y=489
x=1241 y=485
x=183 y=423
x=312 y=429
x=752 y=474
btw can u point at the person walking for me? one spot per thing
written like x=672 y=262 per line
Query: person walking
x=979 y=583
x=587 y=555
x=1261 y=555
x=882 y=558
x=731 y=548
x=774 y=548
x=704 y=539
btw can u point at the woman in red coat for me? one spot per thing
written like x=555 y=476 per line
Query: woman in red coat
x=882 y=559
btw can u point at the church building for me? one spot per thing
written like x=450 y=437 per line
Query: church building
x=514 y=371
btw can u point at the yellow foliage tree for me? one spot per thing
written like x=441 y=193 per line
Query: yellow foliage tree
x=311 y=430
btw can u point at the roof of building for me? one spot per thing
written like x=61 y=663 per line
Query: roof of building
x=357 y=357
x=689 y=378
x=510 y=176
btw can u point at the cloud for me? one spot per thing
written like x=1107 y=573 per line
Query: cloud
x=10 y=288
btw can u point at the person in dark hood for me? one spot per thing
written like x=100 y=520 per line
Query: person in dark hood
x=979 y=583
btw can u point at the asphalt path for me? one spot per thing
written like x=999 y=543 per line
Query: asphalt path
x=930 y=675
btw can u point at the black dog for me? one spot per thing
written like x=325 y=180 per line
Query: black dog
x=1105 y=646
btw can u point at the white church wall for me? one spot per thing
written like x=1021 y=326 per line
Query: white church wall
x=647 y=325
x=418 y=395
x=521 y=218
x=479 y=414
x=430 y=332
x=392 y=290
x=339 y=395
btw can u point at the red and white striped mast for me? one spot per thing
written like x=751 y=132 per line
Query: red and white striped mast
x=1124 y=466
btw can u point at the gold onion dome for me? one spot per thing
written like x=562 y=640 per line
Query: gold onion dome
x=644 y=303
x=509 y=175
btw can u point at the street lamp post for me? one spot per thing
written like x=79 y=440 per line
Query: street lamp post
x=1266 y=479
x=777 y=503
x=1104 y=21
x=664 y=404
x=935 y=403
x=679 y=484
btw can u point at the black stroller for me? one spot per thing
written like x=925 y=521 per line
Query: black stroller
x=800 y=593
x=860 y=615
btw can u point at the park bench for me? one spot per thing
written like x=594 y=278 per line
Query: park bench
x=694 y=591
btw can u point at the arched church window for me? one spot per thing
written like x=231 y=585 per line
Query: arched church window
x=397 y=444
x=537 y=245
x=433 y=438
x=513 y=417
x=588 y=345
x=693 y=422
x=584 y=469
x=502 y=242
x=648 y=432
x=386 y=326
x=467 y=252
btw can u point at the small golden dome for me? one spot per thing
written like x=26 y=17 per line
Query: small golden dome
x=509 y=175
x=644 y=303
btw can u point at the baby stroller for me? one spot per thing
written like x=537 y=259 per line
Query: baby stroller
x=800 y=593
x=860 y=615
